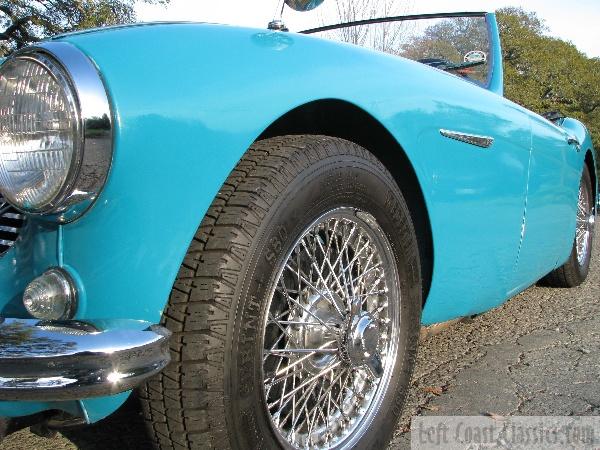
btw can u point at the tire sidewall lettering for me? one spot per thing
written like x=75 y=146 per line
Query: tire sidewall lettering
x=348 y=182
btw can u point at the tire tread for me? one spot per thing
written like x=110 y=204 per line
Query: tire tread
x=185 y=405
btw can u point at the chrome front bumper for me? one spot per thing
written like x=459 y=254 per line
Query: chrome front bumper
x=74 y=360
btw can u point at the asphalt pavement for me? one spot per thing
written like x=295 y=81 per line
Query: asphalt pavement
x=538 y=354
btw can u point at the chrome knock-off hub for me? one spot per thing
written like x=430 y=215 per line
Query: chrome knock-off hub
x=363 y=343
x=319 y=311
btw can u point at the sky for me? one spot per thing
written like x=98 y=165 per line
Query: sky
x=577 y=21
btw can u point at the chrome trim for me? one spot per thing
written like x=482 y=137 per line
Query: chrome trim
x=473 y=139
x=94 y=124
x=15 y=215
x=355 y=23
x=277 y=25
x=303 y=5
x=69 y=289
x=73 y=360
x=9 y=229
x=574 y=141
x=11 y=224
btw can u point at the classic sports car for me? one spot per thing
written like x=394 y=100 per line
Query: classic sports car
x=250 y=229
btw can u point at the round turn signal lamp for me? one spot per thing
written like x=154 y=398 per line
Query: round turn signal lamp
x=51 y=296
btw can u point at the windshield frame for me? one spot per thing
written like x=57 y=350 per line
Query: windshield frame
x=480 y=14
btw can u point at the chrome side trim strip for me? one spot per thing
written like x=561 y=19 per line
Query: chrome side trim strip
x=74 y=360
x=473 y=139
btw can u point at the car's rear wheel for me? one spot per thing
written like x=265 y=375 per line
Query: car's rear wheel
x=296 y=311
x=574 y=272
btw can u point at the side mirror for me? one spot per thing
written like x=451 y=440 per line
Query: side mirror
x=303 y=5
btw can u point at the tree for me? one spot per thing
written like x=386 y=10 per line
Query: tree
x=543 y=73
x=383 y=36
x=449 y=39
x=28 y=21
x=461 y=34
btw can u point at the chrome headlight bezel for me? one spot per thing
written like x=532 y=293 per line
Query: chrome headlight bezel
x=92 y=123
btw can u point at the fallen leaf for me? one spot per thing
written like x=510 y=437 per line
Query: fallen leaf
x=431 y=408
x=433 y=390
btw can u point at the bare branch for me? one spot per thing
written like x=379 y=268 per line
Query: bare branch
x=384 y=36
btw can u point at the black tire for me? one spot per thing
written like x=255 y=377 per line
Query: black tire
x=573 y=272
x=211 y=394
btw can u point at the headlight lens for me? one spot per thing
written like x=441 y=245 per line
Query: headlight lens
x=38 y=132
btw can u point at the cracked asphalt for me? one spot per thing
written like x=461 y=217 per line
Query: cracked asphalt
x=538 y=354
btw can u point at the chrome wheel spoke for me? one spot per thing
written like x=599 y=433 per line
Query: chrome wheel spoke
x=584 y=225
x=331 y=332
x=291 y=351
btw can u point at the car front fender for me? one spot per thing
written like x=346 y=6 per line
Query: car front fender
x=189 y=99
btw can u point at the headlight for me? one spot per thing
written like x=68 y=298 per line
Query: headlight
x=55 y=131
x=39 y=132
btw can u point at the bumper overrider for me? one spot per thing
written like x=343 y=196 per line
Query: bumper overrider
x=75 y=360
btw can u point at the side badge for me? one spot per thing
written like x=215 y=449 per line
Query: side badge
x=473 y=139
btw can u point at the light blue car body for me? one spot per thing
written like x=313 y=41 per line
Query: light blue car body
x=189 y=99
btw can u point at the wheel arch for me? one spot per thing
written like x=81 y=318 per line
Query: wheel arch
x=338 y=118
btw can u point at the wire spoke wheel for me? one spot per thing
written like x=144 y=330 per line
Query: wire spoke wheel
x=585 y=225
x=296 y=311
x=330 y=338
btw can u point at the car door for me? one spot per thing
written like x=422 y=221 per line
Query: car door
x=478 y=201
x=551 y=202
